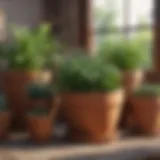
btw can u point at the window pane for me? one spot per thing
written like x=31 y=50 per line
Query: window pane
x=108 y=13
x=141 y=11
x=102 y=37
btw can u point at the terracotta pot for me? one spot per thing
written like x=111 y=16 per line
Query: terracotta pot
x=93 y=116
x=132 y=80
x=147 y=115
x=5 y=121
x=16 y=94
x=40 y=128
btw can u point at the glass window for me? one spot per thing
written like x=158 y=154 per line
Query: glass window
x=141 y=10
x=127 y=17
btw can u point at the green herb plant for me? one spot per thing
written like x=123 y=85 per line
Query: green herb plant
x=31 y=49
x=86 y=74
x=126 y=55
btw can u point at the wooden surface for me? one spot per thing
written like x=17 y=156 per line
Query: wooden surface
x=20 y=148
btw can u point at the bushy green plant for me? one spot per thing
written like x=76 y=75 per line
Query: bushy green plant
x=32 y=49
x=148 y=90
x=38 y=111
x=36 y=90
x=144 y=40
x=3 y=104
x=86 y=74
x=126 y=55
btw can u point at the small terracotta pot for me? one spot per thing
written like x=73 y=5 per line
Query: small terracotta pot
x=93 y=116
x=40 y=128
x=5 y=121
x=132 y=80
x=147 y=115
x=15 y=83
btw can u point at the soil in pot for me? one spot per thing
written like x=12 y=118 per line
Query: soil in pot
x=94 y=116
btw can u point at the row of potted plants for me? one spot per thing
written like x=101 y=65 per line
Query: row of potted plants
x=92 y=90
x=95 y=89
x=92 y=104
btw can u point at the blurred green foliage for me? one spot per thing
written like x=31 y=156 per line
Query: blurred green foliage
x=36 y=90
x=86 y=74
x=125 y=54
x=31 y=49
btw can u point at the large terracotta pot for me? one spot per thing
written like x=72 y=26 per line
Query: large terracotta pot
x=147 y=115
x=40 y=128
x=93 y=117
x=5 y=121
x=15 y=83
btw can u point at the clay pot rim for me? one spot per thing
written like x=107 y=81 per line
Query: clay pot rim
x=133 y=71
x=19 y=72
x=27 y=70
x=24 y=71
x=42 y=98
x=93 y=92
x=146 y=96
x=38 y=116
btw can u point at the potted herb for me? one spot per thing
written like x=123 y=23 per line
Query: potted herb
x=39 y=124
x=27 y=58
x=44 y=107
x=5 y=118
x=128 y=56
x=146 y=108
x=92 y=98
